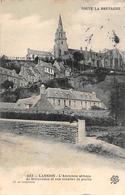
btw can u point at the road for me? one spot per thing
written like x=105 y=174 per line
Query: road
x=22 y=150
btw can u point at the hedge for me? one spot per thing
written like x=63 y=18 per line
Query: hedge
x=57 y=117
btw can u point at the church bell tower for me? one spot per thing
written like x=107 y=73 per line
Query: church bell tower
x=60 y=47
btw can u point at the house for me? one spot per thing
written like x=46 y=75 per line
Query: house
x=58 y=99
x=27 y=103
x=75 y=100
x=39 y=102
x=46 y=70
x=11 y=75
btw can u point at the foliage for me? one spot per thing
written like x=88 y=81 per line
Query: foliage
x=8 y=96
x=117 y=103
x=8 y=64
x=7 y=84
x=77 y=56
x=35 y=115
x=101 y=74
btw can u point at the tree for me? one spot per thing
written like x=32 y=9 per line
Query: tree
x=3 y=60
x=36 y=60
x=101 y=74
x=7 y=84
x=117 y=103
x=77 y=56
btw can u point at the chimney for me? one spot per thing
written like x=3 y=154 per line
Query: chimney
x=42 y=90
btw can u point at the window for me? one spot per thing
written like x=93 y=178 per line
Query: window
x=59 y=102
x=64 y=102
x=52 y=72
x=69 y=102
x=53 y=101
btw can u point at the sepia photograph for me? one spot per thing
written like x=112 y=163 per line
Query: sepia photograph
x=62 y=97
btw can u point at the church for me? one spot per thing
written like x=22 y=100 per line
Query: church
x=61 y=46
x=110 y=59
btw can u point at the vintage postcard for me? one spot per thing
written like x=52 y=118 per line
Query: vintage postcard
x=62 y=97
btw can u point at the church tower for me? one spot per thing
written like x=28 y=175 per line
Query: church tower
x=60 y=47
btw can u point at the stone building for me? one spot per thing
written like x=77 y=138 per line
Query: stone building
x=27 y=103
x=46 y=70
x=112 y=59
x=109 y=59
x=11 y=75
x=32 y=54
x=58 y=99
x=75 y=100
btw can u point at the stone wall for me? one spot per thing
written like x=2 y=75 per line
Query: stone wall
x=62 y=131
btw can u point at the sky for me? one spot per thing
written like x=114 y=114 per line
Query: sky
x=33 y=23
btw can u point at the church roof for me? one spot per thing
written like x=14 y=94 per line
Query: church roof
x=39 y=53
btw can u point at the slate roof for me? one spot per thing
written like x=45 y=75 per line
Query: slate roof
x=29 y=101
x=36 y=71
x=45 y=64
x=29 y=71
x=71 y=94
x=44 y=105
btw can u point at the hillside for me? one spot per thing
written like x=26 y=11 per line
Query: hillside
x=112 y=84
x=89 y=83
x=101 y=82
x=103 y=89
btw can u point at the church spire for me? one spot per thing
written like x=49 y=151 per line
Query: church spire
x=60 y=25
x=60 y=47
x=60 y=20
